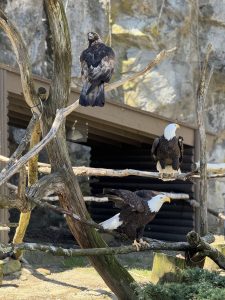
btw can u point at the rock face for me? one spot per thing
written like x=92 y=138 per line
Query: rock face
x=141 y=29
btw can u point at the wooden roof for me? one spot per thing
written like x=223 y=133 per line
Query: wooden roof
x=115 y=121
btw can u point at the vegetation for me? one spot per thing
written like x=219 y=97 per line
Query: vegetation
x=194 y=284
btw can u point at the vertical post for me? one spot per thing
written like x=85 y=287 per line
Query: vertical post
x=203 y=191
x=197 y=183
x=3 y=144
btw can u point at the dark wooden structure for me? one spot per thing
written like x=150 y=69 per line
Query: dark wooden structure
x=120 y=137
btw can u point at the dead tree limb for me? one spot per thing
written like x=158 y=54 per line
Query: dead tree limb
x=25 y=214
x=201 y=98
x=159 y=58
x=24 y=142
x=214 y=170
x=23 y=61
x=204 y=249
x=217 y=214
x=59 y=251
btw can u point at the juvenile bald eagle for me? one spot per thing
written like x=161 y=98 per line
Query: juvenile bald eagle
x=97 y=66
x=135 y=214
x=167 y=151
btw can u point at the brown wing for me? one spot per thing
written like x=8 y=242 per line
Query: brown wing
x=103 y=72
x=155 y=146
x=146 y=194
x=124 y=198
x=181 y=146
x=97 y=63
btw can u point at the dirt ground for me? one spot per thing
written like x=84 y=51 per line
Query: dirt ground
x=57 y=278
x=52 y=278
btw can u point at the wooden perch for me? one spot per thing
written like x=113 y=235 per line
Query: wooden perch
x=213 y=170
x=58 y=251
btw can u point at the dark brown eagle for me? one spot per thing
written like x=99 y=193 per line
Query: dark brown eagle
x=136 y=212
x=167 y=151
x=97 y=66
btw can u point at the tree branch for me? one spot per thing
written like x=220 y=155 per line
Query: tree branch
x=216 y=170
x=23 y=61
x=217 y=214
x=24 y=142
x=59 y=251
x=204 y=249
x=159 y=58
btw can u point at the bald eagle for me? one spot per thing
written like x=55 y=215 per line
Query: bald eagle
x=136 y=212
x=167 y=151
x=97 y=66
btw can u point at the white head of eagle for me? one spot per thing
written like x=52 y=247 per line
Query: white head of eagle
x=156 y=202
x=170 y=131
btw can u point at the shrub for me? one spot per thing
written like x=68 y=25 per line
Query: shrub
x=194 y=284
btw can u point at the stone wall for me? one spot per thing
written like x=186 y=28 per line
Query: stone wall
x=140 y=29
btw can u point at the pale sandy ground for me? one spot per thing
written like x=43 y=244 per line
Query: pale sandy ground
x=46 y=278
x=78 y=283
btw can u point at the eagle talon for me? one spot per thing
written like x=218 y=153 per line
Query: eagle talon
x=137 y=245
x=160 y=175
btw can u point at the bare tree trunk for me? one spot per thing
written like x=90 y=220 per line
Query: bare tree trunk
x=201 y=98
x=115 y=276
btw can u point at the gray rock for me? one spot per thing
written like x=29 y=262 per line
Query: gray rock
x=11 y=266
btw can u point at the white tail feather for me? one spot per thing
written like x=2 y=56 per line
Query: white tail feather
x=112 y=223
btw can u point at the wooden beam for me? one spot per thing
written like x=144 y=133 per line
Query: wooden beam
x=115 y=115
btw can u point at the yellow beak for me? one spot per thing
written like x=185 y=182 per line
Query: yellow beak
x=167 y=199
x=178 y=126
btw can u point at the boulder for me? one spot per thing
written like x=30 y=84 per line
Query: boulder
x=166 y=268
